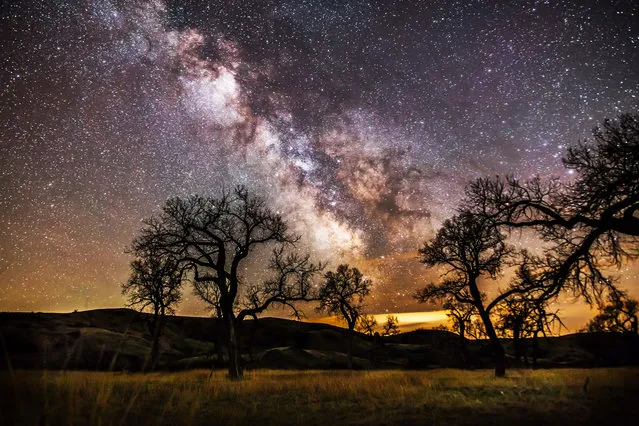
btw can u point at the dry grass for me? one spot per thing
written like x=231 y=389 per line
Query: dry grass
x=319 y=397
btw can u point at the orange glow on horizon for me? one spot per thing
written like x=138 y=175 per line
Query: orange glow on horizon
x=407 y=320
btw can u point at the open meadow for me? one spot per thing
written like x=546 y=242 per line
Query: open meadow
x=389 y=397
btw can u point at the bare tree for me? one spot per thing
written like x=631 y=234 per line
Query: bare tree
x=476 y=329
x=590 y=223
x=467 y=248
x=292 y=282
x=618 y=314
x=154 y=286
x=212 y=238
x=367 y=324
x=546 y=322
x=523 y=308
x=460 y=315
x=391 y=326
x=514 y=319
x=523 y=317
x=342 y=294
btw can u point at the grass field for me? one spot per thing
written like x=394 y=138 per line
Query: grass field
x=435 y=397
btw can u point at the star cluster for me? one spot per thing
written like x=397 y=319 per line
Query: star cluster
x=359 y=121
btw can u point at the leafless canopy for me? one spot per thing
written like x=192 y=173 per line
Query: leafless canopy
x=343 y=294
x=367 y=324
x=618 y=314
x=520 y=317
x=211 y=237
x=590 y=223
x=154 y=284
x=467 y=247
x=292 y=282
x=391 y=326
x=461 y=316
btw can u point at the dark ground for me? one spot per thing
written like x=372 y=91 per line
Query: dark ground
x=117 y=340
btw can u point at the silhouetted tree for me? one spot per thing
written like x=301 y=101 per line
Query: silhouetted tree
x=522 y=309
x=460 y=315
x=154 y=286
x=467 y=248
x=618 y=314
x=391 y=326
x=366 y=324
x=476 y=329
x=291 y=282
x=514 y=318
x=589 y=223
x=342 y=294
x=212 y=237
x=545 y=323
x=520 y=318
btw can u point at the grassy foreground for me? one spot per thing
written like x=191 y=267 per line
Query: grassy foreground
x=435 y=397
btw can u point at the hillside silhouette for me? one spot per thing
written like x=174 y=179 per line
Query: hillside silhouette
x=118 y=339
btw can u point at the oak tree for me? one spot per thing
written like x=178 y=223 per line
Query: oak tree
x=155 y=286
x=618 y=314
x=367 y=324
x=212 y=238
x=589 y=223
x=342 y=294
x=467 y=249
x=391 y=326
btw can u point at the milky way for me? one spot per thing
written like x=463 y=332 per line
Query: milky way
x=359 y=121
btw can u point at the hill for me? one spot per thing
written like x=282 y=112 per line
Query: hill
x=118 y=339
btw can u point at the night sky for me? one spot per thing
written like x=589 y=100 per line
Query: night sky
x=359 y=121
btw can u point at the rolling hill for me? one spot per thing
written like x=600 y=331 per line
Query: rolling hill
x=117 y=339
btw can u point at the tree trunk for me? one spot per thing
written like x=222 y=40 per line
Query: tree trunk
x=498 y=349
x=235 y=361
x=350 y=348
x=495 y=343
x=155 y=330
x=155 y=344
